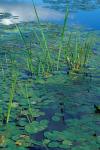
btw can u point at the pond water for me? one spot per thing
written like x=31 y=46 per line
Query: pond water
x=49 y=75
x=85 y=13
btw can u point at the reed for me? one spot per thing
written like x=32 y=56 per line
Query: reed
x=75 y=54
x=28 y=49
x=3 y=72
x=14 y=75
x=12 y=93
x=78 y=53
x=25 y=93
x=62 y=37
x=43 y=43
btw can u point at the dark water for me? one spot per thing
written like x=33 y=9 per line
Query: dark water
x=82 y=13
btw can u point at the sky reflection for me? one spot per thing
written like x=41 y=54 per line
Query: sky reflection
x=25 y=12
x=48 y=10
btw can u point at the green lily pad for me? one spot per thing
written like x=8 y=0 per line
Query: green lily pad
x=56 y=118
x=36 y=113
x=54 y=135
x=36 y=126
x=46 y=141
x=53 y=144
x=22 y=122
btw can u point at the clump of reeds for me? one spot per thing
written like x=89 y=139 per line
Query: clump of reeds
x=75 y=54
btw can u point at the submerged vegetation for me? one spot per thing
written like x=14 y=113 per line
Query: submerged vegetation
x=47 y=79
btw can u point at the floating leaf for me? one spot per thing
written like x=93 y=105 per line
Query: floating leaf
x=36 y=126
x=67 y=142
x=54 y=144
x=56 y=118
x=54 y=135
x=36 y=113
x=46 y=141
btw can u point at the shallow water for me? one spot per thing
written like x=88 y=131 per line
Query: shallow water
x=62 y=112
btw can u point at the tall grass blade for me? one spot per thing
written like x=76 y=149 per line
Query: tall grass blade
x=45 y=45
x=62 y=36
x=12 y=92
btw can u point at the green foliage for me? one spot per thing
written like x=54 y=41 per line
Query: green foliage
x=41 y=98
x=77 y=54
x=36 y=127
x=12 y=92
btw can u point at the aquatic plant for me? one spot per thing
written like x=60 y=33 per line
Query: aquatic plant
x=72 y=52
x=3 y=72
x=47 y=63
x=58 y=139
x=38 y=104
x=77 y=53
x=11 y=94
x=62 y=37
x=35 y=126
x=29 y=58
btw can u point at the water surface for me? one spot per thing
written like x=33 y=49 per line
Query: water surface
x=82 y=13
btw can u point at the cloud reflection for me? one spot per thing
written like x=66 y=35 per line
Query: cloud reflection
x=25 y=13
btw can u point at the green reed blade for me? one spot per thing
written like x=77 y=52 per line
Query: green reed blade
x=62 y=36
x=45 y=45
x=12 y=92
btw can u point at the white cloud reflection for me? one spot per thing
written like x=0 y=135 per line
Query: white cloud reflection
x=25 y=13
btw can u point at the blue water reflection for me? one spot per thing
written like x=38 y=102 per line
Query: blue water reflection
x=82 y=13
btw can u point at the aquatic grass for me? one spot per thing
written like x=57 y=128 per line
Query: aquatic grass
x=13 y=77
x=3 y=72
x=41 y=61
x=62 y=36
x=30 y=118
x=45 y=62
x=43 y=42
x=78 y=53
x=2 y=87
x=29 y=104
x=4 y=65
x=12 y=93
x=30 y=64
x=41 y=30
x=25 y=93
x=40 y=67
x=28 y=49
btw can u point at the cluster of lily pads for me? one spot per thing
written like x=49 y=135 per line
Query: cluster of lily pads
x=44 y=116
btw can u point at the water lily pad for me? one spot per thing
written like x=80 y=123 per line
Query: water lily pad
x=56 y=118
x=36 y=113
x=22 y=122
x=46 y=141
x=15 y=105
x=54 y=144
x=54 y=135
x=36 y=126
